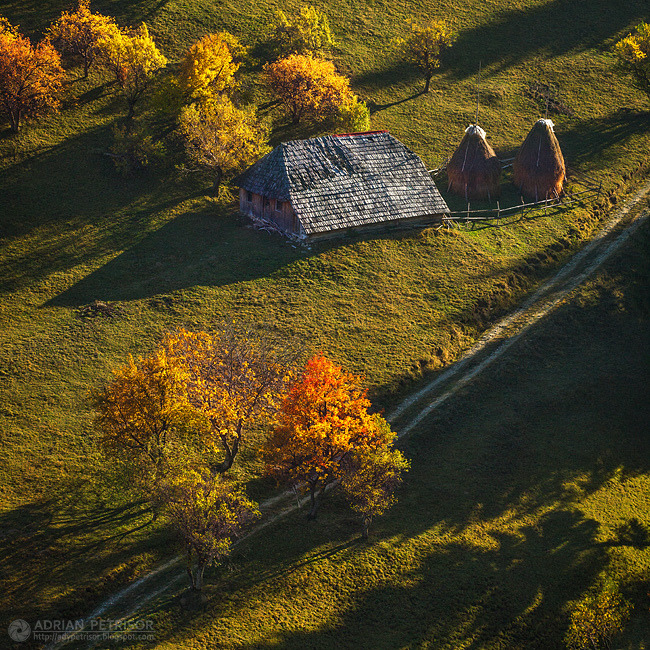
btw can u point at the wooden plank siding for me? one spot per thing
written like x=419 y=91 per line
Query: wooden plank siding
x=262 y=207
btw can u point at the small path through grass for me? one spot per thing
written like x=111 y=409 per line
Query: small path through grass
x=126 y=603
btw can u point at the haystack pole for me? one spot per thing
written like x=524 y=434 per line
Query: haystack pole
x=539 y=170
x=474 y=169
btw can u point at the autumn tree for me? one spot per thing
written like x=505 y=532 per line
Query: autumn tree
x=424 y=46
x=220 y=138
x=208 y=513
x=308 y=87
x=633 y=53
x=234 y=379
x=322 y=422
x=7 y=28
x=371 y=476
x=209 y=66
x=80 y=31
x=31 y=77
x=145 y=417
x=308 y=32
x=132 y=57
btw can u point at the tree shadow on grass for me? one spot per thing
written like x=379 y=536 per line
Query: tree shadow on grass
x=551 y=29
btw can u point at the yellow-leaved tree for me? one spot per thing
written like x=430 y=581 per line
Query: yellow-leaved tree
x=31 y=77
x=146 y=420
x=132 y=57
x=308 y=87
x=304 y=33
x=633 y=53
x=324 y=429
x=80 y=31
x=209 y=66
x=234 y=379
x=208 y=513
x=221 y=139
x=424 y=46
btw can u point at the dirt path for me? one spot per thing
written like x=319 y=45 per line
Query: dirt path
x=125 y=604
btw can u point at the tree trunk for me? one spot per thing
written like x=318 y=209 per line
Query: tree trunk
x=14 y=119
x=231 y=452
x=314 y=500
x=366 y=527
x=216 y=185
x=86 y=66
x=198 y=577
x=427 y=83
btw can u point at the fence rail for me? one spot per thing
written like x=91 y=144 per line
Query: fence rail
x=591 y=190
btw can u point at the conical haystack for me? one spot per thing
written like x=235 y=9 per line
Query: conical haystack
x=539 y=165
x=474 y=170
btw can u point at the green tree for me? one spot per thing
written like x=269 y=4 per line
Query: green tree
x=208 y=513
x=132 y=57
x=209 y=66
x=305 y=33
x=80 y=32
x=424 y=46
x=220 y=138
x=372 y=474
x=633 y=53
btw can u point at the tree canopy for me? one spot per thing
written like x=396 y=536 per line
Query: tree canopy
x=132 y=58
x=209 y=66
x=208 y=514
x=220 y=138
x=307 y=86
x=308 y=32
x=31 y=77
x=80 y=32
x=322 y=421
x=423 y=47
x=633 y=53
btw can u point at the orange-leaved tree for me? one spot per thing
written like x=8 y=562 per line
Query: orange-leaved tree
x=132 y=57
x=234 y=379
x=31 y=77
x=323 y=420
x=80 y=32
x=208 y=513
x=209 y=66
x=146 y=420
x=308 y=87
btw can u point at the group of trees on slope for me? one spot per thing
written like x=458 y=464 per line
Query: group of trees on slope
x=178 y=419
x=220 y=137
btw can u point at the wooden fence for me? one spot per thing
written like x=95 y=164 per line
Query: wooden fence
x=587 y=190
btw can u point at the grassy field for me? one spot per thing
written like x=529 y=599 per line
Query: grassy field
x=394 y=306
x=527 y=490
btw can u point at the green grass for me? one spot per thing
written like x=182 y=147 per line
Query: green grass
x=394 y=306
x=526 y=490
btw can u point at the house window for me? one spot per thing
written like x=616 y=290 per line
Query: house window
x=249 y=197
x=278 y=205
x=266 y=203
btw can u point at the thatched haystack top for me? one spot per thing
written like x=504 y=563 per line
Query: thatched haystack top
x=474 y=169
x=344 y=181
x=539 y=164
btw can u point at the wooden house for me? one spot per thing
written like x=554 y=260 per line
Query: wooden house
x=334 y=185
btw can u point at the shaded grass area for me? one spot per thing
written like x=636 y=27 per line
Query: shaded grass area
x=526 y=490
x=395 y=306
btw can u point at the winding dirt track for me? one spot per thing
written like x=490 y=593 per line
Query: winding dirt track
x=125 y=604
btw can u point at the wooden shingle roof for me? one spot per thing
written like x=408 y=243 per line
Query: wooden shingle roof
x=336 y=182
